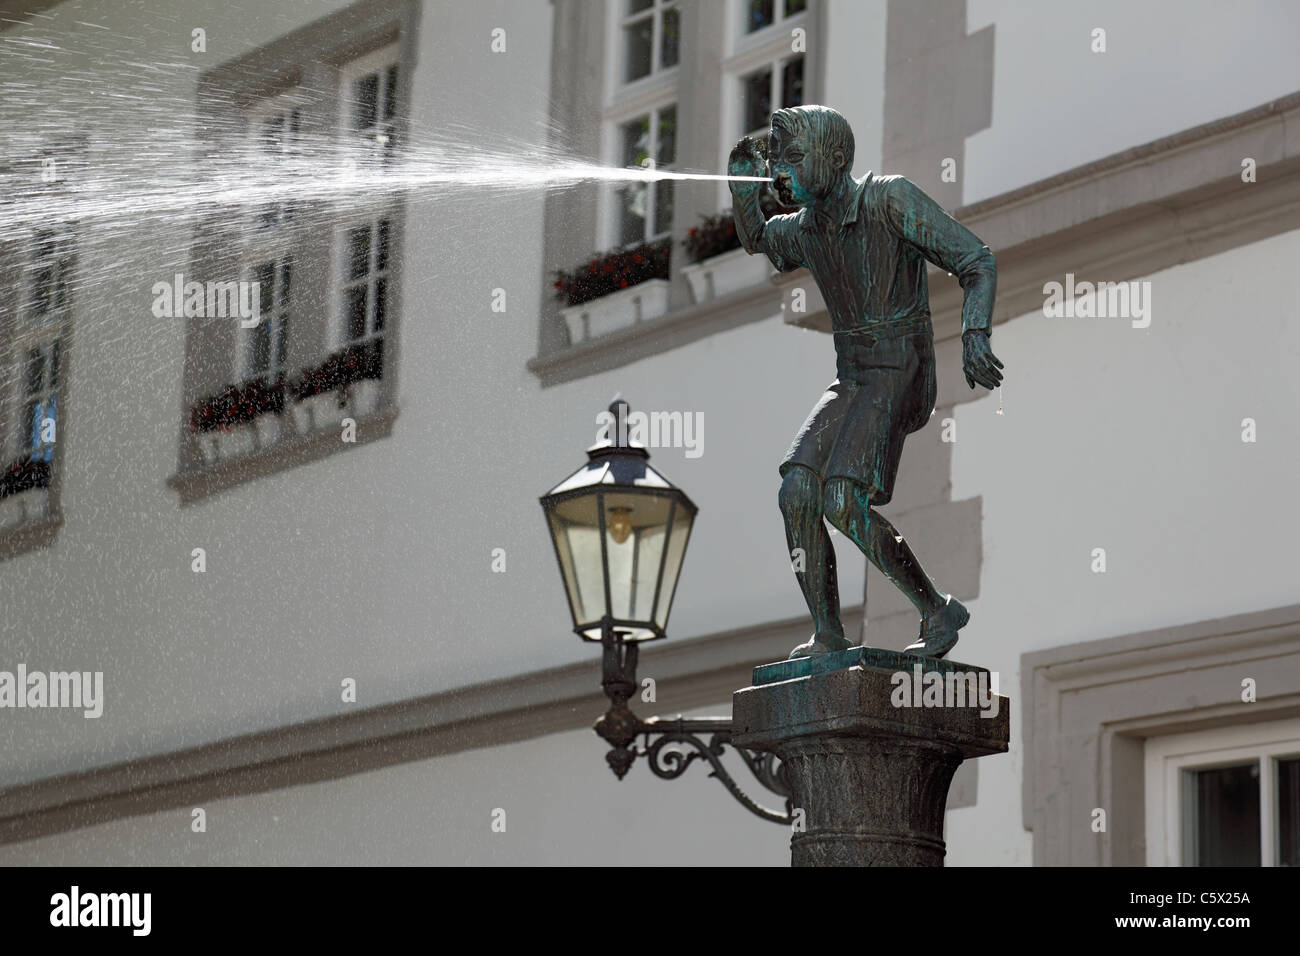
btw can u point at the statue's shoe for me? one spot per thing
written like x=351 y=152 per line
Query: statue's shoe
x=939 y=630
x=821 y=644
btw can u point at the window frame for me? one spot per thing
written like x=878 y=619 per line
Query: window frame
x=611 y=231
x=278 y=320
x=1169 y=758
x=620 y=19
x=746 y=53
x=780 y=18
x=277 y=243
x=319 y=59
x=379 y=61
x=33 y=330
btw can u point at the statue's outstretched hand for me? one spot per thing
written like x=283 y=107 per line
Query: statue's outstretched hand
x=748 y=158
x=978 y=361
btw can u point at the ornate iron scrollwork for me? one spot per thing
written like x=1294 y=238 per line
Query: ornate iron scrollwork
x=663 y=738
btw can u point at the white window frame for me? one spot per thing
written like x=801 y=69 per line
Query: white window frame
x=276 y=319
x=610 y=232
x=781 y=23
x=619 y=19
x=1167 y=758
x=34 y=331
x=274 y=243
x=370 y=279
x=283 y=105
x=379 y=139
x=777 y=67
x=747 y=53
x=378 y=61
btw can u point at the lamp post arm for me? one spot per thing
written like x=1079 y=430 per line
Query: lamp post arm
x=621 y=728
x=669 y=764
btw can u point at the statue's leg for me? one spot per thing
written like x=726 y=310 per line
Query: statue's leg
x=848 y=506
x=810 y=546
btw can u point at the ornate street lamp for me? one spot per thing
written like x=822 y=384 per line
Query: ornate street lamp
x=620 y=531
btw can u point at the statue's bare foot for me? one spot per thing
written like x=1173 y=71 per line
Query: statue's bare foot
x=822 y=644
x=939 y=630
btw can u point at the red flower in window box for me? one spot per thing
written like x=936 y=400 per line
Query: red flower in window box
x=364 y=360
x=614 y=271
x=238 y=404
x=24 y=475
x=714 y=237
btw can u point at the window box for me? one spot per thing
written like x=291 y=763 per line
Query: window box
x=727 y=273
x=236 y=441
x=615 y=290
x=20 y=509
x=345 y=385
x=238 y=420
x=24 y=493
x=355 y=400
x=618 y=310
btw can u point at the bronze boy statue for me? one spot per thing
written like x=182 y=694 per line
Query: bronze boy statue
x=866 y=244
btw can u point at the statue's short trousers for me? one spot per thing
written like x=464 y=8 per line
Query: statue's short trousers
x=885 y=391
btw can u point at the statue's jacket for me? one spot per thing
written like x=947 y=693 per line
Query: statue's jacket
x=871 y=265
x=871 y=269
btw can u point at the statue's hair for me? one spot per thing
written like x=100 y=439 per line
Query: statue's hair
x=827 y=129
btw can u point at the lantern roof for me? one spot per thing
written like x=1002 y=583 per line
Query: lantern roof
x=616 y=462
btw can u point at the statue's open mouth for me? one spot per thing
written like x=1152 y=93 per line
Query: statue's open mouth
x=783 y=190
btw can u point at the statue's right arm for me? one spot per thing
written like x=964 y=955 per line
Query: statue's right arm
x=756 y=232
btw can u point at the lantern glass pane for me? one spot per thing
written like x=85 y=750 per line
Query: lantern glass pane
x=577 y=540
x=673 y=562
x=639 y=521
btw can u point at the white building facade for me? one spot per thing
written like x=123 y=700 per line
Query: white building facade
x=374 y=664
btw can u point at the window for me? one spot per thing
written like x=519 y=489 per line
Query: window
x=41 y=401
x=365 y=287
x=646 y=209
x=325 y=261
x=266 y=345
x=275 y=132
x=651 y=37
x=30 y=388
x=779 y=85
x=763 y=13
x=37 y=346
x=1228 y=797
x=370 y=107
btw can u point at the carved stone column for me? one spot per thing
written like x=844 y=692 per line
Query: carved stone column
x=870 y=740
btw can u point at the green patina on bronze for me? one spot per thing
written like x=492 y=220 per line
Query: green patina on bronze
x=866 y=243
x=857 y=657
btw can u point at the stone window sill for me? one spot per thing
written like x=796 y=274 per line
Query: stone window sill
x=624 y=346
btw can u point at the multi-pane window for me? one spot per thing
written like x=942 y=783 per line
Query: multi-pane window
x=40 y=401
x=651 y=37
x=764 y=13
x=266 y=345
x=51 y=268
x=1226 y=797
x=36 y=348
x=276 y=128
x=778 y=85
x=1225 y=818
x=365 y=286
x=369 y=124
x=276 y=136
x=372 y=111
x=646 y=208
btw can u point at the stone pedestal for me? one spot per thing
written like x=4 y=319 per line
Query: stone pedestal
x=870 y=740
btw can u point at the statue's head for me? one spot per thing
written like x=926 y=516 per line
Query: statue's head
x=809 y=149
